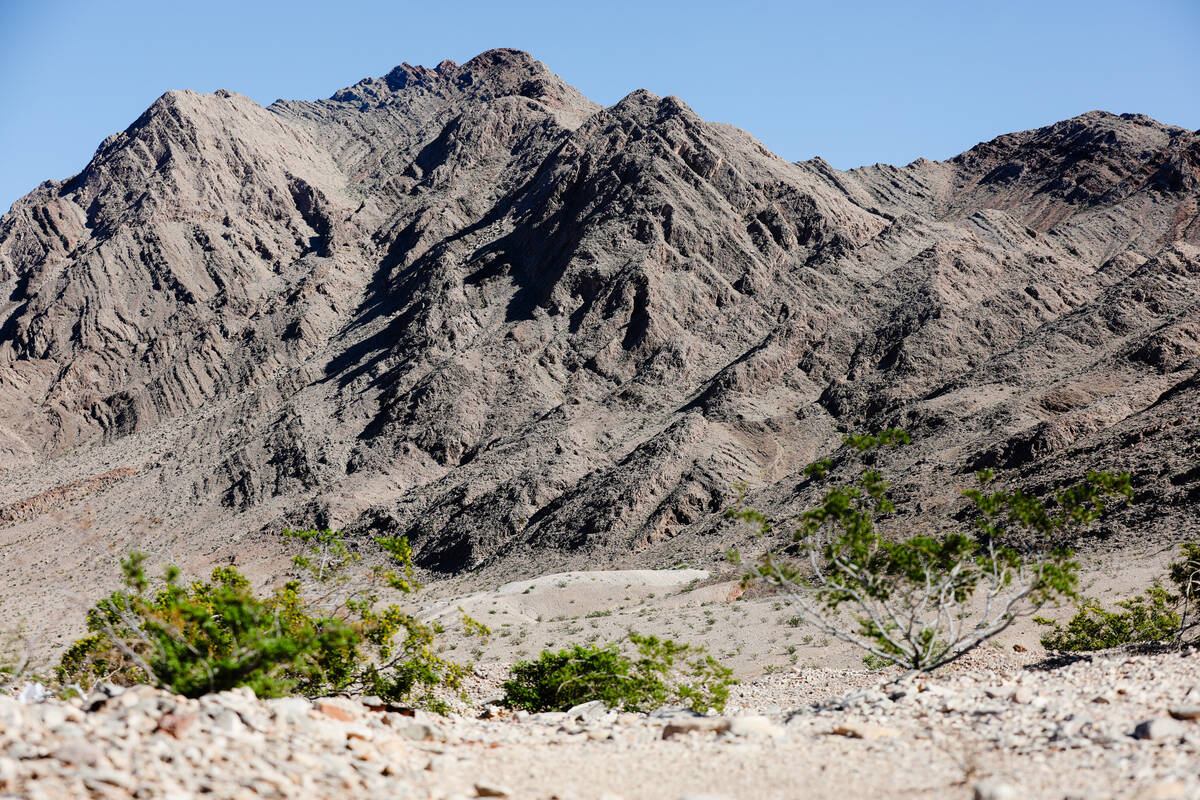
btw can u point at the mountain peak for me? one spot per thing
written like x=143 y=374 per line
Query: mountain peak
x=499 y=72
x=443 y=305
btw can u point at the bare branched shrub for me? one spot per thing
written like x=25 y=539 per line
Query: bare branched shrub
x=924 y=601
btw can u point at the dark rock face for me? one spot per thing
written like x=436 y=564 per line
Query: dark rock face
x=468 y=305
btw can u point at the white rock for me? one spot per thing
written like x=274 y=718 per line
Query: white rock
x=1160 y=729
x=589 y=711
x=753 y=727
x=994 y=789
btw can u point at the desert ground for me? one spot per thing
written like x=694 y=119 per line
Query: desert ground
x=807 y=719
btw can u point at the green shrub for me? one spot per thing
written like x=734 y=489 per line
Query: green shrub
x=659 y=672
x=1144 y=619
x=1155 y=616
x=322 y=638
x=923 y=601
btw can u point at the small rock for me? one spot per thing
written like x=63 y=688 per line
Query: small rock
x=229 y=722
x=291 y=710
x=9 y=773
x=589 y=711
x=96 y=778
x=359 y=732
x=491 y=790
x=78 y=753
x=32 y=692
x=1184 y=712
x=392 y=748
x=1159 y=729
x=177 y=724
x=340 y=709
x=1168 y=789
x=695 y=724
x=419 y=731
x=992 y=789
x=753 y=727
x=865 y=730
x=705 y=796
x=1023 y=695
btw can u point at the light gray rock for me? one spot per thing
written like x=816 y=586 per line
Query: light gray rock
x=1188 y=712
x=684 y=725
x=754 y=727
x=549 y=718
x=1160 y=729
x=412 y=729
x=228 y=722
x=589 y=711
x=78 y=752
x=995 y=789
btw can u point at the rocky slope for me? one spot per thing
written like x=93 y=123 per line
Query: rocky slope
x=469 y=305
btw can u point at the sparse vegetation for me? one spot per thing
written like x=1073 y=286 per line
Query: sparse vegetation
x=637 y=674
x=326 y=635
x=923 y=601
x=1155 y=616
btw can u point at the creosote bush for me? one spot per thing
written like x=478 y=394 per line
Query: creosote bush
x=922 y=601
x=657 y=672
x=327 y=634
x=1157 y=616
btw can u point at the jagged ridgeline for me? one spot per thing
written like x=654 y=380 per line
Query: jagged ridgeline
x=468 y=305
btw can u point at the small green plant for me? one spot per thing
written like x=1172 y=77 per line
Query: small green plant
x=818 y=469
x=923 y=601
x=1155 y=616
x=637 y=674
x=473 y=627
x=15 y=657
x=327 y=636
x=889 y=437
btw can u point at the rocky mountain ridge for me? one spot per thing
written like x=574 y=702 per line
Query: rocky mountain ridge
x=468 y=305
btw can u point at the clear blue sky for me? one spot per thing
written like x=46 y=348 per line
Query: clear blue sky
x=854 y=82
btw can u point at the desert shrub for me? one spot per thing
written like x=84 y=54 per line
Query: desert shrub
x=923 y=601
x=657 y=672
x=326 y=635
x=16 y=662
x=1147 y=618
x=1156 y=616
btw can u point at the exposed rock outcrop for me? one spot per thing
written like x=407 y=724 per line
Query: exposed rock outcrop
x=468 y=305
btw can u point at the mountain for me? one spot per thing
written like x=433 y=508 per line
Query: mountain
x=468 y=305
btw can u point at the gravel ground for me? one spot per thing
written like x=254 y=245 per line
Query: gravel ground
x=1096 y=728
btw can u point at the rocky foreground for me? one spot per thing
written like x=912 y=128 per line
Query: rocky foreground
x=1115 y=726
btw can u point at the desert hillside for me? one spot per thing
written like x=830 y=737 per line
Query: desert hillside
x=467 y=305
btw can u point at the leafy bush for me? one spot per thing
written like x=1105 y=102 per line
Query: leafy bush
x=923 y=601
x=660 y=672
x=1148 y=618
x=326 y=637
x=1155 y=616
